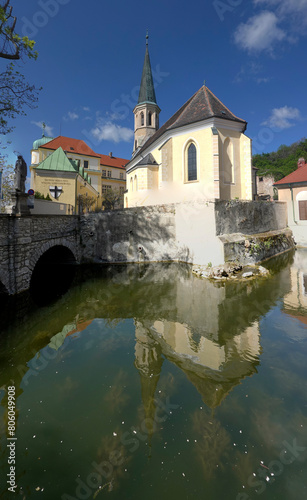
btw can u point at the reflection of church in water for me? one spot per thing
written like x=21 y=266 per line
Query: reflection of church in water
x=295 y=302
x=213 y=356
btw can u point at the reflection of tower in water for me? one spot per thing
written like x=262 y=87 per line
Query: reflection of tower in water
x=148 y=361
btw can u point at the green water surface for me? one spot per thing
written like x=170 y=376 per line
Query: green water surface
x=145 y=382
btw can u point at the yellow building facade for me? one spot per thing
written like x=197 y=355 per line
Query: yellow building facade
x=80 y=173
x=64 y=181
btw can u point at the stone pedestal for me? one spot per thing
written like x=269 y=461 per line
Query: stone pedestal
x=20 y=206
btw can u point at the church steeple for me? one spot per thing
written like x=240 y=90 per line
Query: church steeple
x=147 y=90
x=146 y=111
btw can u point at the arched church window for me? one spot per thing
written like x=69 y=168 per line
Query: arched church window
x=192 y=163
x=149 y=118
x=142 y=119
x=131 y=184
x=135 y=183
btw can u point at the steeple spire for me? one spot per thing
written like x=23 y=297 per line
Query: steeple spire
x=146 y=112
x=147 y=90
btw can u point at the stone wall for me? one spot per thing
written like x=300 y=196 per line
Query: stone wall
x=250 y=217
x=176 y=232
x=130 y=235
x=23 y=240
x=196 y=232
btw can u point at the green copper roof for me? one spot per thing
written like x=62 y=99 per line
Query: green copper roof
x=58 y=161
x=40 y=142
x=147 y=90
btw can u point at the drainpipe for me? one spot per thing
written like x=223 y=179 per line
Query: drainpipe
x=76 y=195
x=291 y=189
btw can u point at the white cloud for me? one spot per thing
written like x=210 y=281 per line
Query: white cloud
x=86 y=108
x=284 y=7
x=280 y=117
x=48 y=129
x=70 y=116
x=111 y=132
x=260 y=32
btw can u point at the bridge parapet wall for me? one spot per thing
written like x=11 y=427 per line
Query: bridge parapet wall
x=23 y=240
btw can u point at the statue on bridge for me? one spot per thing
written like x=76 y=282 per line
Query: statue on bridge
x=20 y=175
x=19 y=198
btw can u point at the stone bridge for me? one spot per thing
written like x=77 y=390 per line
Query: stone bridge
x=25 y=240
x=197 y=232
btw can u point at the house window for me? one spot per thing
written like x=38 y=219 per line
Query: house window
x=106 y=188
x=121 y=175
x=121 y=190
x=192 y=163
x=104 y=173
x=302 y=206
x=260 y=179
x=85 y=163
x=142 y=119
x=109 y=173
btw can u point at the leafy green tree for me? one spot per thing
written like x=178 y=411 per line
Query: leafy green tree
x=15 y=92
x=40 y=196
x=281 y=162
x=13 y=46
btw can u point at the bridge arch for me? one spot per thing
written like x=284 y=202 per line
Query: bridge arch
x=4 y=290
x=49 y=245
x=52 y=271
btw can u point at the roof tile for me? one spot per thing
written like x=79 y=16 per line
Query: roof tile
x=299 y=175
x=201 y=106
x=76 y=146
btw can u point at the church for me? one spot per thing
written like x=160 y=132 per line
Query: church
x=201 y=152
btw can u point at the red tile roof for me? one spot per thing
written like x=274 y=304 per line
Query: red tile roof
x=112 y=161
x=299 y=175
x=70 y=145
x=79 y=147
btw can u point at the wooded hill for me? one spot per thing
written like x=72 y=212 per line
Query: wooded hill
x=281 y=162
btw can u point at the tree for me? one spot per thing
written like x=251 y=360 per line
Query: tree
x=85 y=202
x=111 y=199
x=281 y=162
x=13 y=46
x=40 y=196
x=15 y=92
x=7 y=181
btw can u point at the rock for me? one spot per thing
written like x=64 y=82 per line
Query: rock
x=249 y=274
x=263 y=271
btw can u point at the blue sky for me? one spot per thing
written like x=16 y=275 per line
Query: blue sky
x=252 y=55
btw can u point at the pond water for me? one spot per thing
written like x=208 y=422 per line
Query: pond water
x=147 y=382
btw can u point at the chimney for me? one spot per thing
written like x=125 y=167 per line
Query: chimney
x=110 y=154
